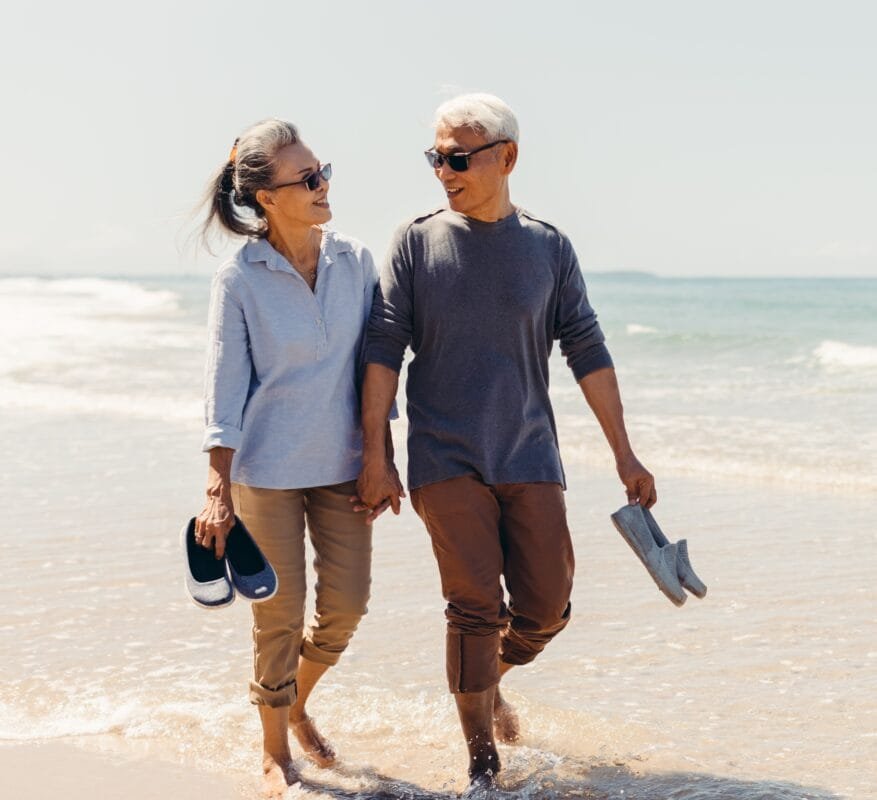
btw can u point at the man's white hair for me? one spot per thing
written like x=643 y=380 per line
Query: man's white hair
x=484 y=113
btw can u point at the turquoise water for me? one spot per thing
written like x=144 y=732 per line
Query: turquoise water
x=761 y=379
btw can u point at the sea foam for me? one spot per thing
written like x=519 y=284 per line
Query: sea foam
x=831 y=353
x=86 y=345
x=633 y=329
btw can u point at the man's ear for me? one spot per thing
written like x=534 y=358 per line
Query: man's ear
x=509 y=157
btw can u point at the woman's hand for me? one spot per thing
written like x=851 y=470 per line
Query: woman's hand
x=217 y=517
x=213 y=524
x=378 y=488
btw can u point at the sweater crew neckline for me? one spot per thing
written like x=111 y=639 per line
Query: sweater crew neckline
x=487 y=227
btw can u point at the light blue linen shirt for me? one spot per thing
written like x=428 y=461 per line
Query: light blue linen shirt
x=284 y=364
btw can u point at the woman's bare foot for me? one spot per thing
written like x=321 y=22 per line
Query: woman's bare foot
x=314 y=746
x=506 y=726
x=278 y=774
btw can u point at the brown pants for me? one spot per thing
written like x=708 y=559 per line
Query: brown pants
x=479 y=533
x=342 y=545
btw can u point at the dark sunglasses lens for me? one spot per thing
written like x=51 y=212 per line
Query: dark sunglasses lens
x=458 y=163
x=323 y=174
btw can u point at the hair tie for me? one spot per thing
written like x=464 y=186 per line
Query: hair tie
x=234 y=152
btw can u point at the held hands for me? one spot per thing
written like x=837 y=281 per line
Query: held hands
x=637 y=480
x=214 y=522
x=378 y=488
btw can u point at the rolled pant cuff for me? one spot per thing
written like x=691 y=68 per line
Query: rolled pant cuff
x=273 y=698
x=313 y=653
x=472 y=662
x=518 y=659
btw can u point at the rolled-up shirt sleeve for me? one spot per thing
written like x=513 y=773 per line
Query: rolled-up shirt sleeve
x=391 y=320
x=575 y=323
x=229 y=367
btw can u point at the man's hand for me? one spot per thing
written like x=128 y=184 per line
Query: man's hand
x=379 y=486
x=637 y=480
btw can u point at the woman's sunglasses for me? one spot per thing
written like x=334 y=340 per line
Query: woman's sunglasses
x=459 y=162
x=312 y=181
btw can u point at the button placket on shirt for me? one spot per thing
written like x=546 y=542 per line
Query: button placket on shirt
x=323 y=262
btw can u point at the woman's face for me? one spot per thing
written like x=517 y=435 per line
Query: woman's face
x=295 y=204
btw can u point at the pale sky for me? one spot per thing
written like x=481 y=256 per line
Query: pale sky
x=680 y=138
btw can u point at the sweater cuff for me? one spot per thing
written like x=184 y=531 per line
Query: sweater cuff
x=218 y=435
x=379 y=355
x=592 y=359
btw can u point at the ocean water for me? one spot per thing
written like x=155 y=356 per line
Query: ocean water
x=753 y=401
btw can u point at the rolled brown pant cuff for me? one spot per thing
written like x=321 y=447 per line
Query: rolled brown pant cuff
x=274 y=698
x=522 y=642
x=471 y=662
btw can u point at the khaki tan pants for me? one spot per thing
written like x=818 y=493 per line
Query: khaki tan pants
x=479 y=533
x=342 y=545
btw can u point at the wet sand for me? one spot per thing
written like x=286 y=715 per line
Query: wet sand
x=53 y=770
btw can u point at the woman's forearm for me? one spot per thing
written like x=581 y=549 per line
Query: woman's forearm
x=219 y=472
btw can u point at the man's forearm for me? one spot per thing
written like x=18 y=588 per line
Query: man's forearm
x=601 y=391
x=378 y=392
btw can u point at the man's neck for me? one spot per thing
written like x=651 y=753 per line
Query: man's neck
x=495 y=210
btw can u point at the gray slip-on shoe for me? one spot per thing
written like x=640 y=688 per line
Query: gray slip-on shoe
x=684 y=570
x=206 y=578
x=660 y=562
x=249 y=570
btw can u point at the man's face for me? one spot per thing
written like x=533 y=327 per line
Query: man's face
x=478 y=188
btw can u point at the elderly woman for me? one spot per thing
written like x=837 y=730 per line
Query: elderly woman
x=286 y=323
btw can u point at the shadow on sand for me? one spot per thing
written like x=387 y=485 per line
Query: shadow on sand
x=571 y=780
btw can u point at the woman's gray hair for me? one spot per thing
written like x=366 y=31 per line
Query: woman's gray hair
x=230 y=198
x=484 y=113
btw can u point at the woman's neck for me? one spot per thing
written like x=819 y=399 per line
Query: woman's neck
x=299 y=245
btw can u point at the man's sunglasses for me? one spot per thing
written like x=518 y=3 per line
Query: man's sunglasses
x=459 y=162
x=312 y=181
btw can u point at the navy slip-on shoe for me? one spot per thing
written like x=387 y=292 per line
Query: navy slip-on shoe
x=206 y=577
x=248 y=569
x=660 y=562
x=684 y=570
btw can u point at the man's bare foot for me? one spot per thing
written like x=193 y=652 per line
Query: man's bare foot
x=314 y=746
x=278 y=774
x=480 y=786
x=506 y=726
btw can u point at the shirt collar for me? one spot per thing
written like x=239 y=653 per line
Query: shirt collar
x=260 y=249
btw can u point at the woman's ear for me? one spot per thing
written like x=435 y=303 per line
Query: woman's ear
x=264 y=197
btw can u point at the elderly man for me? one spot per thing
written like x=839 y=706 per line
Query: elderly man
x=480 y=290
